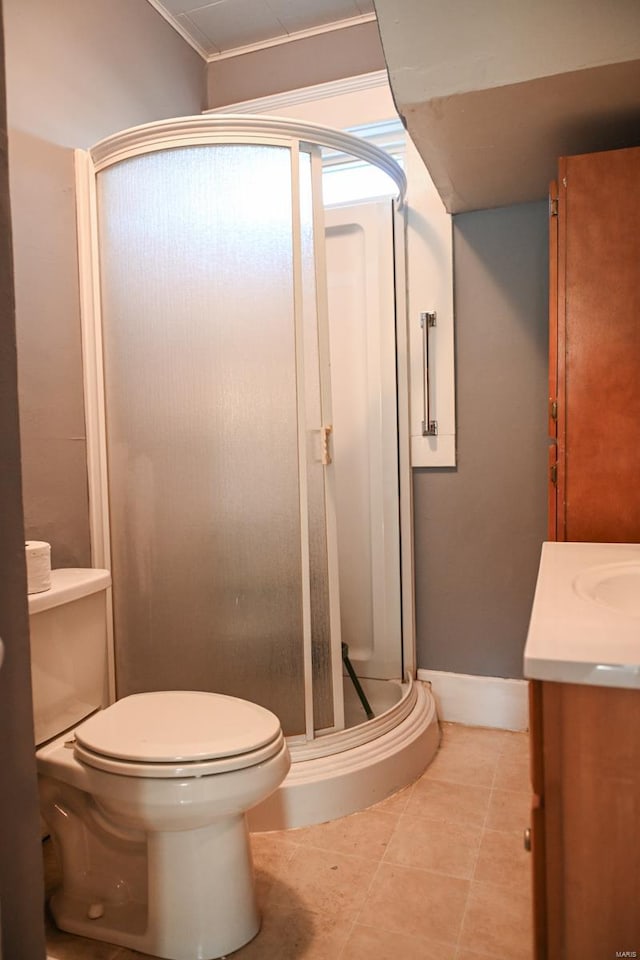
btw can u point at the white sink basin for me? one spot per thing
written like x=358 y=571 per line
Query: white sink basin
x=584 y=624
x=614 y=585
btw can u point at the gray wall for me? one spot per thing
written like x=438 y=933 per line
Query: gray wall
x=479 y=527
x=21 y=888
x=300 y=63
x=76 y=72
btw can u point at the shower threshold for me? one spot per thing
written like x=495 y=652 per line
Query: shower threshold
x=344 y=772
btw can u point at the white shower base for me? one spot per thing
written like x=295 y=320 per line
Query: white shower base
x=344 y=772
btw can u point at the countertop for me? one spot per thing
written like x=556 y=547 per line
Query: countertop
x=585 y=621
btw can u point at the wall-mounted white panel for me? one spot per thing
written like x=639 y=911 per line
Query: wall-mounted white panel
x=361 y=299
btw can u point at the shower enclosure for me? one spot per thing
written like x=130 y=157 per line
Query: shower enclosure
x=211 y=435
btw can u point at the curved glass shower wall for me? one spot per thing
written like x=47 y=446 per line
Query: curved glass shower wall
x=214 y=485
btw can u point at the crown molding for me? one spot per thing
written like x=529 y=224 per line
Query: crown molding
x=290 y=37
x=254 y=47
x=177 y=26
x=319 y=91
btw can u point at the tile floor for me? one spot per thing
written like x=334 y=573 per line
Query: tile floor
x=436 y=872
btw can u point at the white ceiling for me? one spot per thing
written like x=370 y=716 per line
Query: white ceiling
x=222 y=27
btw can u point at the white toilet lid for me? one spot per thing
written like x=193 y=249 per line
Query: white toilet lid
x=178 y=725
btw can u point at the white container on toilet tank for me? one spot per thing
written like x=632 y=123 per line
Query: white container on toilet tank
x=68 y=650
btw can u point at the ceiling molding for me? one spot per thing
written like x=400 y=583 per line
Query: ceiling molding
x=299 y=35
x=177 y=26
x=253 y=47
x=319 y=91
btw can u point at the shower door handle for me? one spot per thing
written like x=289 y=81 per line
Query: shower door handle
x=429 y=426
x=325 y=451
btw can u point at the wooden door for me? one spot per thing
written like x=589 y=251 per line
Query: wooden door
x=598 y=344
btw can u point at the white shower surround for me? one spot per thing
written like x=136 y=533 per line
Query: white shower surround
x=366 y=763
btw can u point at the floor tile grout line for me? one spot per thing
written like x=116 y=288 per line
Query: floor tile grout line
x=456 y=945
x=484 y=830
x=358 y=912
x=380 y=862
x=477 y=858
x=413 y=936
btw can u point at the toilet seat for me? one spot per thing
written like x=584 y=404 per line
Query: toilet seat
x=178 y=733
x=196 y=768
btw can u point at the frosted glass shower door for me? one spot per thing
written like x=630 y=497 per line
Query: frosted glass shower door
x=202 y=370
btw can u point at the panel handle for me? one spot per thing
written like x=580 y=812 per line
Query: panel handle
x=325 y=450
x=429 y=426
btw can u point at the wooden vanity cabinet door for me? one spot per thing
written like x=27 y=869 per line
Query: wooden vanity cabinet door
x=591 y=812
x=597 y=369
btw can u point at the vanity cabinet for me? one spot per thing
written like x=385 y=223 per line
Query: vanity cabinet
x=594 y=405
x=585 y=827
x=585 y=738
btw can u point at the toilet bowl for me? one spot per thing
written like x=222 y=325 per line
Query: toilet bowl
x=145 y=801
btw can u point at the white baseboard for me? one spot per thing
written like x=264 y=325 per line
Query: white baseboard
x=479 y=701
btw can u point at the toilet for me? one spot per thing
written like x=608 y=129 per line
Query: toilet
x=145 y=799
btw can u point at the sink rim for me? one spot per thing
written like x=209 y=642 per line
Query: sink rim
x=586 y=582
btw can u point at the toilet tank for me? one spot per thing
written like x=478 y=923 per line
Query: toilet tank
x=68 y=629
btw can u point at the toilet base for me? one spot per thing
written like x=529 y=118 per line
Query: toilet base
x=210 y=916
x=124 y=926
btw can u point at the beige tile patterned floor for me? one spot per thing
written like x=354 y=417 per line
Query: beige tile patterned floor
x=436 y=872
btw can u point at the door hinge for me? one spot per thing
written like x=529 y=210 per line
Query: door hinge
x=553 y=409
x=553 y=206
x=553 y=473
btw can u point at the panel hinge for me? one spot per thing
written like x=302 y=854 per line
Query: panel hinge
x=553 y=206
x=553 y=473
x=553 y=409
x=429 y=318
